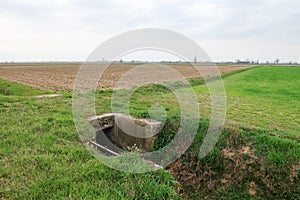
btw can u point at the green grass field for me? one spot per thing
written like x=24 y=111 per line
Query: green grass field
x=257 y=156
x=267 y=97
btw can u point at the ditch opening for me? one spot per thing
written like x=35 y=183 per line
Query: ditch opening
x=118 y=133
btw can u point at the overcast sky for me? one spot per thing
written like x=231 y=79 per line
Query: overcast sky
x=66 y=30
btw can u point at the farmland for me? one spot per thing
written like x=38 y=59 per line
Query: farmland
x=60 y=76
x=257 y=156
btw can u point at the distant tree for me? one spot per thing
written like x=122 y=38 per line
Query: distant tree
x=277 y=61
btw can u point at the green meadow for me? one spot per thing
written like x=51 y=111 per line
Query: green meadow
x=256 y=157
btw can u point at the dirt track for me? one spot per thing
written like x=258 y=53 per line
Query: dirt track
x=53 y=76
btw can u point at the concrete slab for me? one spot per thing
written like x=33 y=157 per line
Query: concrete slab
x=48 y=96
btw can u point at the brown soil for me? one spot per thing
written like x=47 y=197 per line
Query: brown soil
x=240 y=166
x=61 y=76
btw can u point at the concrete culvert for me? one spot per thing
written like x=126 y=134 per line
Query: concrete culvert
x=116 y=133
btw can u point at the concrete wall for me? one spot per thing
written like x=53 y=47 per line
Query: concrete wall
x=126 y=131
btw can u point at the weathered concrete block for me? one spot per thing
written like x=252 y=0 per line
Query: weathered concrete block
x=125 y=131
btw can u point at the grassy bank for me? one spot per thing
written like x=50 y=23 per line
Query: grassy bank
x=42 y=156
x=258 y=155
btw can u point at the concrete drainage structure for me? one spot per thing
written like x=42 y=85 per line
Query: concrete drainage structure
x=117 y=132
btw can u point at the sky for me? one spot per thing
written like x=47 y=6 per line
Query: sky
x=69 y=30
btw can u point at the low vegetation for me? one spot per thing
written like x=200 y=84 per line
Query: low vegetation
x=42 y=156
x=256 y=157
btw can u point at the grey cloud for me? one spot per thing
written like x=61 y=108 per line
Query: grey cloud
x=267 y=20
